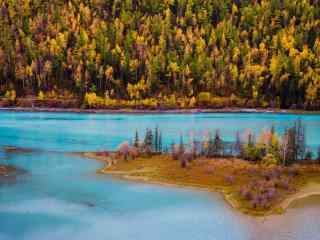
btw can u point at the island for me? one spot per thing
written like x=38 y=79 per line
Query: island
x=6 y=170
x=258 y=177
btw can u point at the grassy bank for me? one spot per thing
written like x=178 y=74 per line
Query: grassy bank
x=227 y=176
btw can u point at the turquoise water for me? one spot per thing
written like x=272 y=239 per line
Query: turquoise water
x=62 y=198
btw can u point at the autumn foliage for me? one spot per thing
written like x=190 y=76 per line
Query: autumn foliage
x=162 y=54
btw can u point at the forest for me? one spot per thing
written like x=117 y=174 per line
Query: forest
x=171 y=53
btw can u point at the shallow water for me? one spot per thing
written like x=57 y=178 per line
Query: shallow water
x=63 y=198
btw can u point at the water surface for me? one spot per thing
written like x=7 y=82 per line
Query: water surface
x=62 y=198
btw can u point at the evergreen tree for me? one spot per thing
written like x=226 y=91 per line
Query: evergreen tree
x=238 y=144
x=218 y=144
x=210 y=151
x=181 y=145
x=291 y=154
x=148 y=141
x=300 y=140
x=136 y=139
x=160 y=142
x=156 y=139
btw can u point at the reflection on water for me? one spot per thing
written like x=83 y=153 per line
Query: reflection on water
x=63 y=198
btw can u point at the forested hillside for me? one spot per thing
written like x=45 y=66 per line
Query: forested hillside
x=185 y=52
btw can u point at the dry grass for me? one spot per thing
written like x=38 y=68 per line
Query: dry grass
x=209 y=174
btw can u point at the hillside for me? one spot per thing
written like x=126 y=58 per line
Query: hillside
x=185 y=53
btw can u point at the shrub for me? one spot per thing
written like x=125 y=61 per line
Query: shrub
x=204 y=98
x=283 y=183
x=11 y=95
x=229 y=179
x=259 y=193
x=175 y=152
x=123 y=150
x=170 y=102
x=246 y=193
x=252 y=153
x=185 y=158
x=41 y=96
x=192 y=102
x=273 y=173
x=134 y=152
x=92 y=100
x=269 y=160
x=293 y=171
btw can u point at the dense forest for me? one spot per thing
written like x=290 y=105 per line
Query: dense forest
x=185 y=53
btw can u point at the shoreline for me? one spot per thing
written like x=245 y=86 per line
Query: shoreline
x=10 y=171
x=309 y=190
x=306 y=190
x=157 y=111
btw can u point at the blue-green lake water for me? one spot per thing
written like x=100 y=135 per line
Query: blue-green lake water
x=61 y=197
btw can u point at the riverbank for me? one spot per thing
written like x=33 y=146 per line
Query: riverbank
x=157 y=111
x=6 y=171
x=226 y=176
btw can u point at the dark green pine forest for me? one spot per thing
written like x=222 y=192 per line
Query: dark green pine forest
x=176 y=53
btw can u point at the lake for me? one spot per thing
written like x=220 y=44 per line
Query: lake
x=61 y=197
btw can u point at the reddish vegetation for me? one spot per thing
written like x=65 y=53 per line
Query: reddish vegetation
x=253 y=188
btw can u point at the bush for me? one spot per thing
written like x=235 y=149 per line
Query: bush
x=252 y=153
x=134 y=152
x=11 y=95
x=186 y=157
x=259 y=193
x=92 y=100
x=229 y=179
x=41 y=96
x=204 y=98
x=192 y=102
x=175 y=152
x=269 y=160
x=170 y=102
x=123 y=150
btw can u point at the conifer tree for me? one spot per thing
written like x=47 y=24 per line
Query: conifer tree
x=156 y=139
x=160 y=142
x=238 y=145
x=218 y=144
x=136 y=139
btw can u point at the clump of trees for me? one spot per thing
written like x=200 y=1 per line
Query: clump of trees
x=157 y=53
x=150 y=145
x=269 y=149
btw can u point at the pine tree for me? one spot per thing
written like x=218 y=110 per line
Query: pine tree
x=300 y=140
x=156 y=139
x=210 y=152
x=291 y=146
x=238 y=145
x=136 y=139
x=218 y=144
x=148 y=140
x=181 y=145
x=160 y=142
